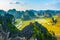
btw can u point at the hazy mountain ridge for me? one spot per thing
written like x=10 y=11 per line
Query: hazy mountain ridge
x=30 y=14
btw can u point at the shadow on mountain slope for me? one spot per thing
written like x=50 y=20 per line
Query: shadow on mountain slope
x=37 y=31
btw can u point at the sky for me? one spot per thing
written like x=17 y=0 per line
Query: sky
x=30 y=4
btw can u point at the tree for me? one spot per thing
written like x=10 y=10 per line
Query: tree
x=54 y=20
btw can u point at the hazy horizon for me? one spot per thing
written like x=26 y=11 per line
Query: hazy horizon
x=30 y=4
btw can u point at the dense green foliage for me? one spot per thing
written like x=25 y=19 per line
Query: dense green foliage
x=42 y=33
x=7 y=25
x=34 y=30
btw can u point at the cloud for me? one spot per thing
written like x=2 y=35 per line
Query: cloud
x=15 y=2
x=29 y=4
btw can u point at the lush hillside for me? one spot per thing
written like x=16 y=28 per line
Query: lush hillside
x=47 y=22
x=15 y=23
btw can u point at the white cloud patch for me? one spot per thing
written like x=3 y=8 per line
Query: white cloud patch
x=15 y=2
x=9 y=4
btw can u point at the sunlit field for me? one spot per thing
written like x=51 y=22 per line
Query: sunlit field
x=46 y=22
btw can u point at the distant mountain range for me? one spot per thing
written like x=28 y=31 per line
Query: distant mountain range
x=30 y=14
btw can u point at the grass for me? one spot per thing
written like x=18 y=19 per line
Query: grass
x=46 y=22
